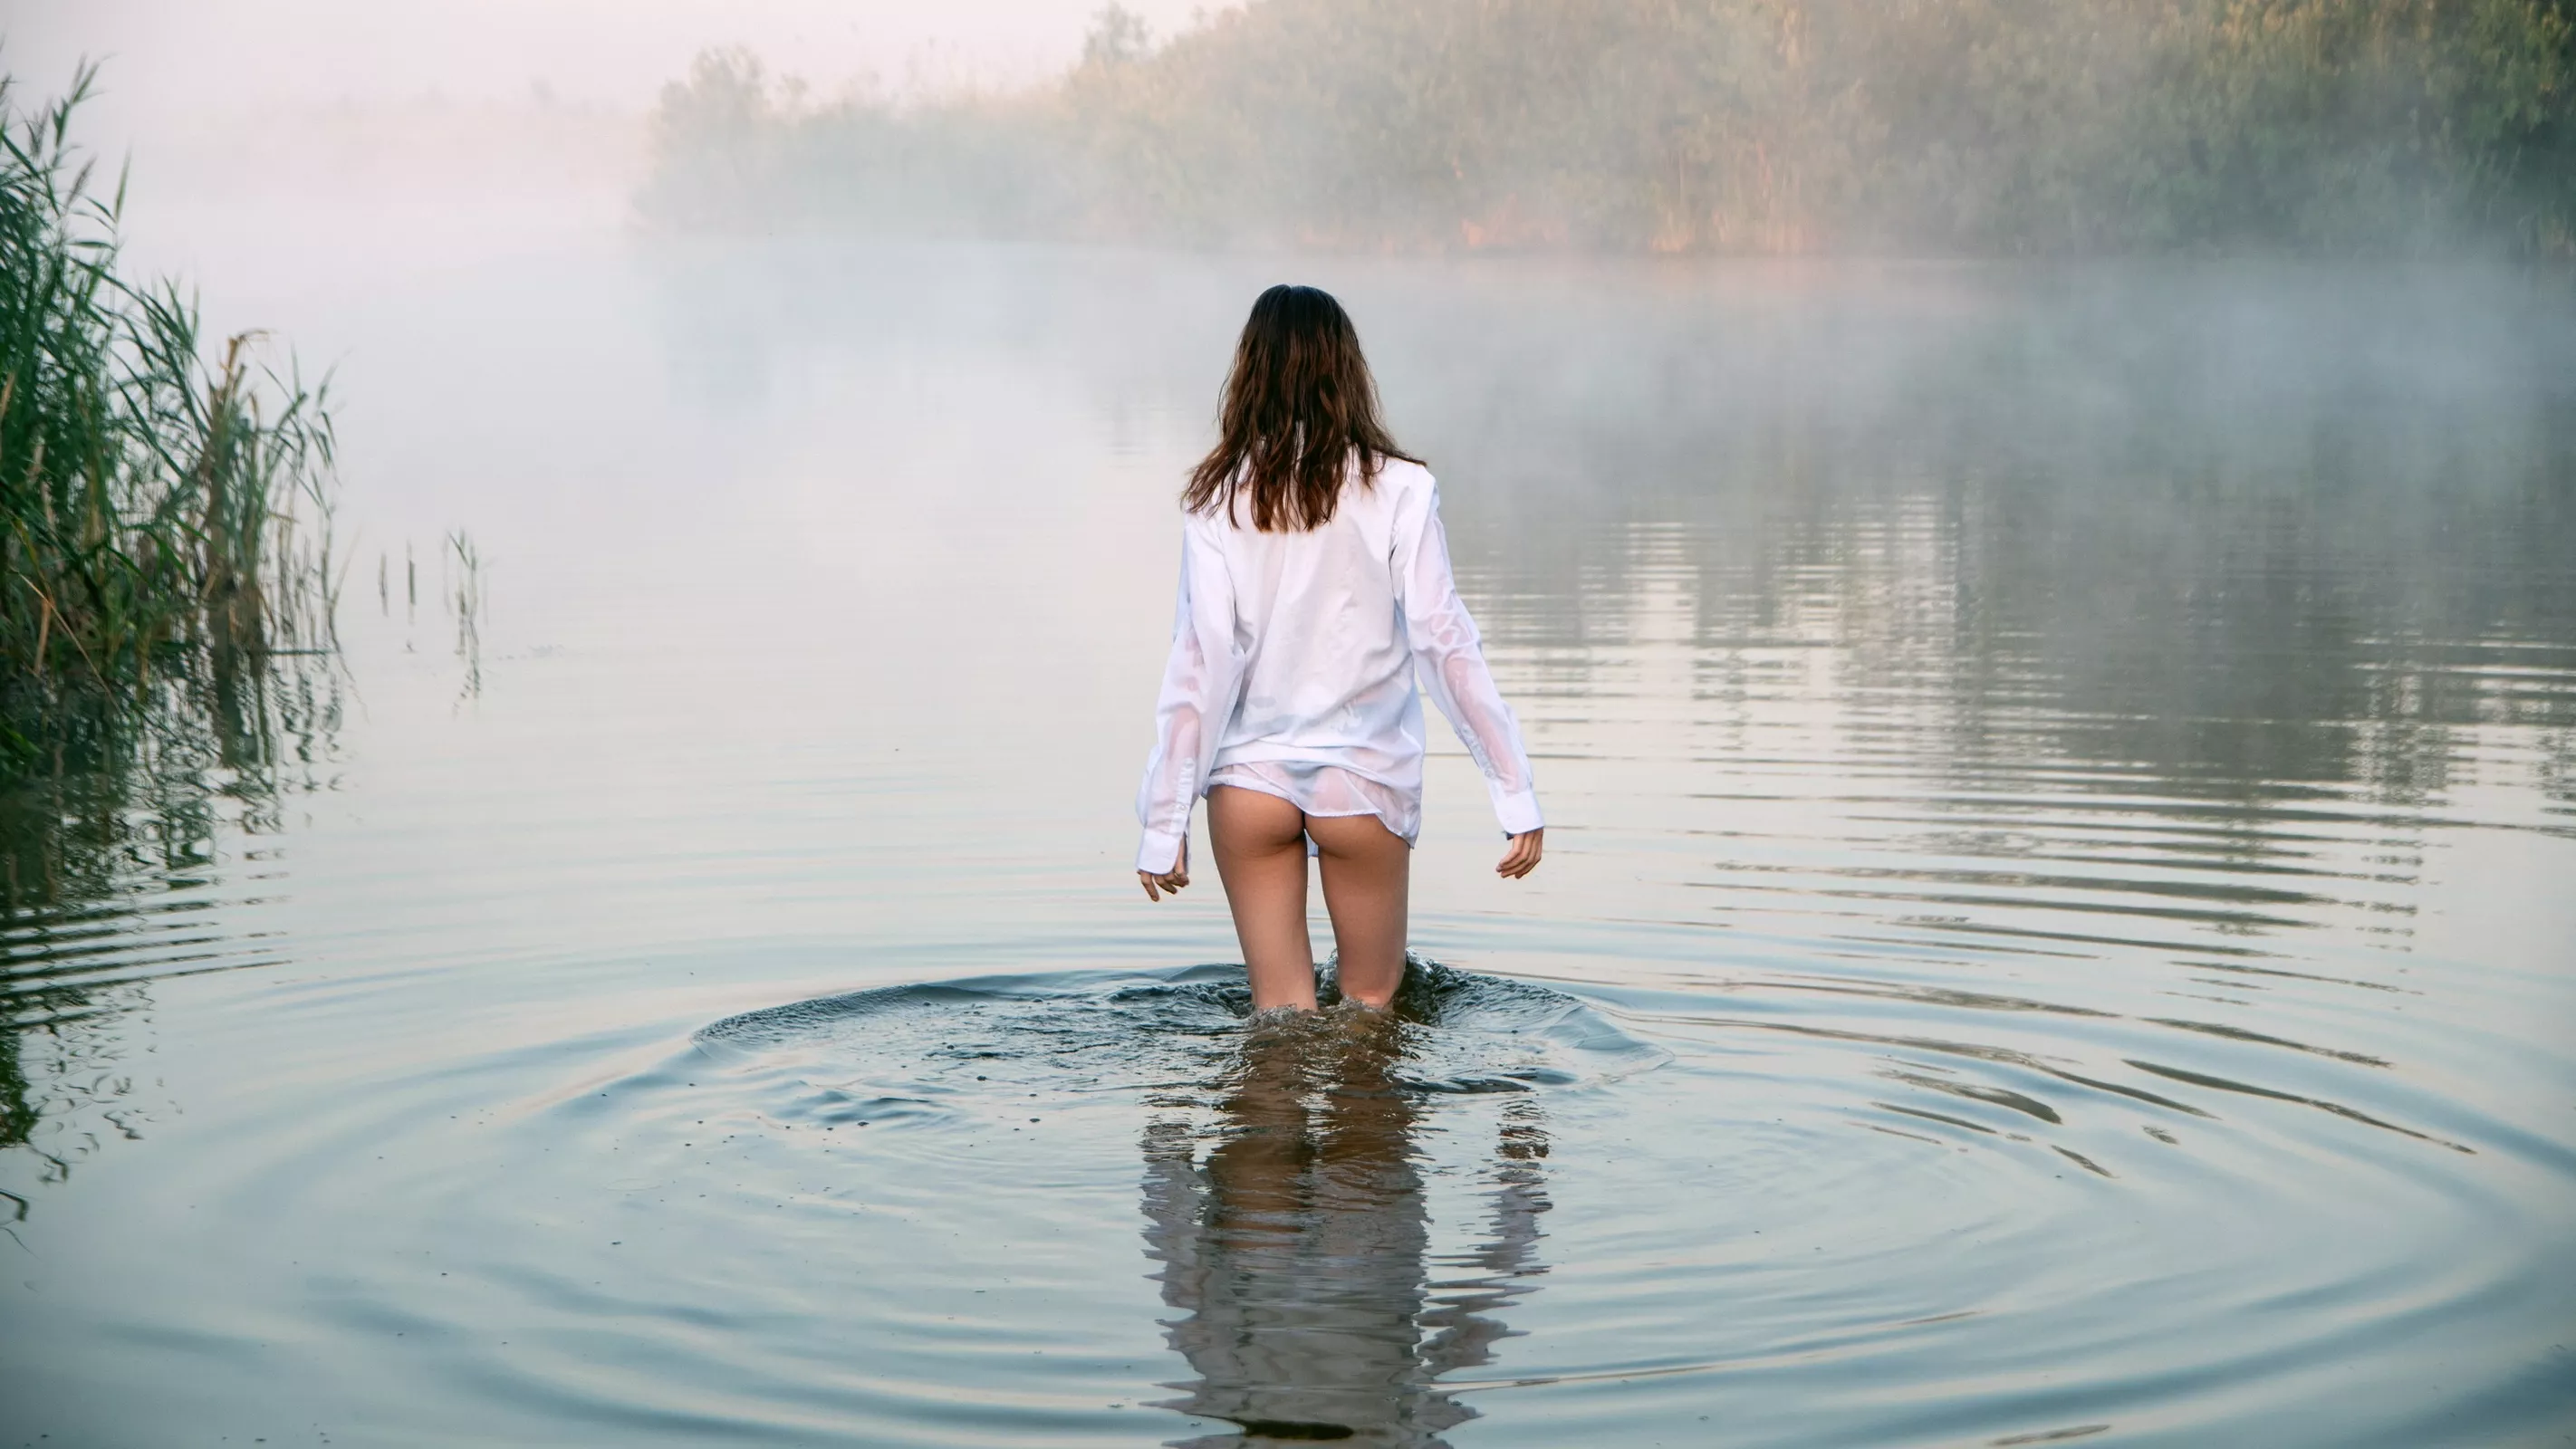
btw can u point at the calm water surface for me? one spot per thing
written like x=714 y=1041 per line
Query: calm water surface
x=2057 y=925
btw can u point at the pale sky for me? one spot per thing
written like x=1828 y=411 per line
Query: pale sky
x=172 y=59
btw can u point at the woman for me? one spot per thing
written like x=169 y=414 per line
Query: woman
x=1314 y=589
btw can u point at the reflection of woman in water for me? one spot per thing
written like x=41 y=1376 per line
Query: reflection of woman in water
x=1299 y=1250
x=1315 y=588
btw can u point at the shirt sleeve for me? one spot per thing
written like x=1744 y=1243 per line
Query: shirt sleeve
x=1199 y=684
x=1450 y=660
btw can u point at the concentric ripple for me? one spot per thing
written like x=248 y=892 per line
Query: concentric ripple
x=869 y=1202
x=1111 y=1207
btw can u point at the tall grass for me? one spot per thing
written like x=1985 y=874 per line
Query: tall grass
x=166 y=599
x=164 y=506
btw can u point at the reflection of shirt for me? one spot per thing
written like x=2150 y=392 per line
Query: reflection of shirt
x=1300 y=650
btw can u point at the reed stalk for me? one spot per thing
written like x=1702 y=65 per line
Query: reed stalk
x=168 y=666
x=164 y=507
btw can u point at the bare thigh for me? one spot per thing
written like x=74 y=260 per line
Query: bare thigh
x=1260 y=846
x=1367 y=872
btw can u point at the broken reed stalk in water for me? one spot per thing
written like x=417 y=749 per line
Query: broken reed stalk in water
x=149 y=497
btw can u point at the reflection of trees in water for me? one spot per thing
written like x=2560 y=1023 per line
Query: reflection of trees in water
x=2233 y=534
x=2558 y=768
x=119 y=803
x=1299 y=1249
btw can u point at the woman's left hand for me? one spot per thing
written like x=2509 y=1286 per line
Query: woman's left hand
x=1171 y=880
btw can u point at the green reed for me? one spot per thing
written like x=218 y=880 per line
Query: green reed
x=168 y=671
x=164 y=506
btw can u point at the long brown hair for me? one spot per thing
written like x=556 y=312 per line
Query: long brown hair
x=1300 y=410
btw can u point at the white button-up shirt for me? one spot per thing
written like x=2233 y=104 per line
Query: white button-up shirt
x=1294 y=657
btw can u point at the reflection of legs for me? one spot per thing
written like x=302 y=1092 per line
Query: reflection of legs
x=1301 y=1274
x=1260 y=847
x=1366 y=870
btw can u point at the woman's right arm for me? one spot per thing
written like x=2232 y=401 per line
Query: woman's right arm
x=1199 y=683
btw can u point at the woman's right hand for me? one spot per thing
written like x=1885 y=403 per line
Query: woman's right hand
x=1522 y=858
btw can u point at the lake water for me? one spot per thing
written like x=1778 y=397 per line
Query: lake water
x=2057 y=924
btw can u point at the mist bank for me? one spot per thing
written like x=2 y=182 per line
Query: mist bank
x=1923 y=127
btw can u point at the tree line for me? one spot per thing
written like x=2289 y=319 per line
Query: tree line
x=1941 y=127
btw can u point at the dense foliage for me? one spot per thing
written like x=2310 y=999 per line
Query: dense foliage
x=1946 y=126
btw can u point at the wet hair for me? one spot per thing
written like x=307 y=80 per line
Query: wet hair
x=1300 y=412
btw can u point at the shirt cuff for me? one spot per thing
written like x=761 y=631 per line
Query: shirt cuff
x=1160 y=851
x=1518 y=811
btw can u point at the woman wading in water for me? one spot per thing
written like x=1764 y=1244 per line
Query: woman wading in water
x=1315 y=588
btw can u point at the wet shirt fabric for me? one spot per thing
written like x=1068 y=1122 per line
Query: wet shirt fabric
x=1294 y=662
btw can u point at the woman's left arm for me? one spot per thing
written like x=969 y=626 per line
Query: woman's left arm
x=1449 y=658
x=1199 y=682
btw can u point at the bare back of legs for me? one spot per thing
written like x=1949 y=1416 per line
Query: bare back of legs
x=1260 y=847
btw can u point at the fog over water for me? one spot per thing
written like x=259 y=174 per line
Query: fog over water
x=458 y=120
x=2062 y=796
